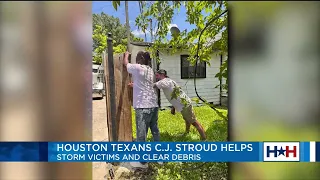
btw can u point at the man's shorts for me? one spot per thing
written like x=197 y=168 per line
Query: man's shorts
x=188 y=114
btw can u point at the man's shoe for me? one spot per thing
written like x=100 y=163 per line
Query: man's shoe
x=138 y=165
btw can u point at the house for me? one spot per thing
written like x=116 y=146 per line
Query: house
x=179 y=69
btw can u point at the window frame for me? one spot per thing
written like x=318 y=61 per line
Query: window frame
x=203 y=74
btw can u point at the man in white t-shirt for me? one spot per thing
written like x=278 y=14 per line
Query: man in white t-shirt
x=145 y=98
x=168 y=85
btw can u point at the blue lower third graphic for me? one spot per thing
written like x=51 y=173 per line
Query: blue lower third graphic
x=24 y=151
x=317 y=151
x=130 y=151
x=152 y=152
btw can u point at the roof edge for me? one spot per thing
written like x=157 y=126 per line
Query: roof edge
x=145 y=44
x=148 y=44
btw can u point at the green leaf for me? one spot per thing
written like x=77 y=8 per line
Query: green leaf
x=115 y=5
x=195 y=99
x=175 y=93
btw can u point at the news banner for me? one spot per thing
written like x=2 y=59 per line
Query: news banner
x=160 y=151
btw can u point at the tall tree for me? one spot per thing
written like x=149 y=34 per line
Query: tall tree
x=127 y=23
x=104 y=24
x=99 y=43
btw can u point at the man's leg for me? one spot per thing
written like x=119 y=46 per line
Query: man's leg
x=190 y=118
x=154 y=125
x=188 y=125
x=200 y=129
x=141 y=128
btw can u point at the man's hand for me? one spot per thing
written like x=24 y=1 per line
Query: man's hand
x=126 y=54
x=173 y=111
x=130 y=84
x=126 y=58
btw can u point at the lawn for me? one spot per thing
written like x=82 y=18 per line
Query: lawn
x=171 y=126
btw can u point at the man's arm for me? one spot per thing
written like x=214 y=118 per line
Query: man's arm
x=131 y=68
x=159 y=84
x=155 y=85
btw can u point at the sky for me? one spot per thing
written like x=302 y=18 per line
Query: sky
x=179 y=19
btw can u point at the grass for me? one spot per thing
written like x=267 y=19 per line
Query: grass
x=170 y=127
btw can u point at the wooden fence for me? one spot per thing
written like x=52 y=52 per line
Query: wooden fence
x=123 y=100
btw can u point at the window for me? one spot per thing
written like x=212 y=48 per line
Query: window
x=101 y=71
x=95 y=70
x=187 y=70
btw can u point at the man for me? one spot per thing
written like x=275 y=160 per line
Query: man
x=168 y=85
x=145 y=98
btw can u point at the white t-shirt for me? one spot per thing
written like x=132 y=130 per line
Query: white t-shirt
x=144 y=94
x=168 y=85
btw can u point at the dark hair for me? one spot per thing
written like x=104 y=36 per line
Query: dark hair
x=143 y=57
x=163 y=72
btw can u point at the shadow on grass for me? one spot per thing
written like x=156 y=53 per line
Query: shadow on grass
x=217 y=131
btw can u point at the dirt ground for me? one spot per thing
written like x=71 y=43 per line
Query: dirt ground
x=99 y=133
x=100 y=170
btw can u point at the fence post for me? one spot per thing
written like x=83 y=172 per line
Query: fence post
x=112 y=90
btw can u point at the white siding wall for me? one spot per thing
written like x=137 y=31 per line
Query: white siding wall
x=205 y=86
